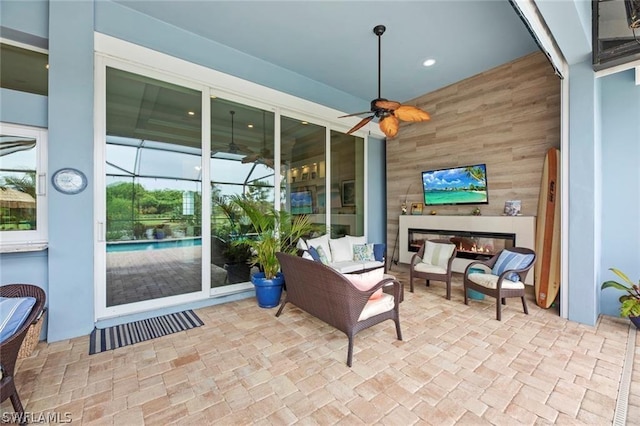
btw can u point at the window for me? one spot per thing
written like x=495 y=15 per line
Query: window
x=24 y=70
x=22 y=184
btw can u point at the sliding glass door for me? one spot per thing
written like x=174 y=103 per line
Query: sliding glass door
x=171 y=158
x=153 y=189
x=242 y=164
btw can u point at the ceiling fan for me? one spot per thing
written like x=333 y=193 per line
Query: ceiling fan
x=264 y=156
x=389 y=112
x=233 y=147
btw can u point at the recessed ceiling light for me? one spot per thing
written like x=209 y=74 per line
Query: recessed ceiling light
x=305 y=122
x=429 y=62
x=250 y=126
x=47 y=66
x=191 y=113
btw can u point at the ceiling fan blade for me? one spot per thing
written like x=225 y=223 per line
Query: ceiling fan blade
x=354 y=114
x=388 y=105
x=389 y=126
x=411 y=113
x=362 y=123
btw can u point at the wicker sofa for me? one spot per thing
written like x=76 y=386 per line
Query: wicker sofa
x=329 y=296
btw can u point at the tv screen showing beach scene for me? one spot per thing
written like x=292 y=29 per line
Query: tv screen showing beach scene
x=456 y=185
x=301 y=202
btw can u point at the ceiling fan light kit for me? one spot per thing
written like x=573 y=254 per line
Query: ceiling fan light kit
x=389 y=113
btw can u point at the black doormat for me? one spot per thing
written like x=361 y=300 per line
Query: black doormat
x=106 y=339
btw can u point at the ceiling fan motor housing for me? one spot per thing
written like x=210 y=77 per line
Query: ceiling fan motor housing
x=379 y=30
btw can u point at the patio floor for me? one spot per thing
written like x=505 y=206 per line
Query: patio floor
x=456 y=365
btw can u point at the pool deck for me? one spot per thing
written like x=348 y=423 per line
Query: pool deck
x=135 y=276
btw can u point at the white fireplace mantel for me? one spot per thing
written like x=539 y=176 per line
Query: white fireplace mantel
x=524 y=227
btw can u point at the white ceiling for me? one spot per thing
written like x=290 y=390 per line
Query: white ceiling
x=333 y=42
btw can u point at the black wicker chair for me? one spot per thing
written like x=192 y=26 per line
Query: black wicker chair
x=9 y=348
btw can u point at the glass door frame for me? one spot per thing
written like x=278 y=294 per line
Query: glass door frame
x=102 y=311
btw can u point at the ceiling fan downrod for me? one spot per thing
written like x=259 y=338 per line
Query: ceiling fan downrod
x=379 y=30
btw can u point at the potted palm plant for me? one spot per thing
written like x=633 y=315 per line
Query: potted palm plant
x=275 y=231
x=630 y=301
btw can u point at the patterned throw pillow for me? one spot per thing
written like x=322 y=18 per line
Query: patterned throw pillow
x=437 y=254
x=363 y=252
x=510 y=260
x=323 y=255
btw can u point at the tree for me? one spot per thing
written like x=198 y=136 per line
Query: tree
x=26 y=183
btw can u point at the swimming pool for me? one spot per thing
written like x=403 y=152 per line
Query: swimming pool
x=120 y=246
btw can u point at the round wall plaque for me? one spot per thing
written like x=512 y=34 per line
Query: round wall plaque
x=69 y=181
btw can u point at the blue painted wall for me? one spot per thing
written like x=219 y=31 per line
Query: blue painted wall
x=23 y=108
x=28 y=17
x=377 y=194
x=584 y=199
x=620 y=183
x=25 y=268
x=71 y=286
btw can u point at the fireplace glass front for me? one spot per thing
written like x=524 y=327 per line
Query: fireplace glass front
x=470 y=245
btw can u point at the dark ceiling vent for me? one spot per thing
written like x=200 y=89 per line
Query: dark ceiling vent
x=616 y=32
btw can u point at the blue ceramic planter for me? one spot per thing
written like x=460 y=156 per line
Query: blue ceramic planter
x=268 y=292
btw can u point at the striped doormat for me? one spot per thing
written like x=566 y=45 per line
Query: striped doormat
x=106 y=339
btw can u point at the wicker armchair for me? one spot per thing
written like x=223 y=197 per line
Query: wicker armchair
x=327 y=295
x=499 y=286
x=419 y=269
x=9 y=348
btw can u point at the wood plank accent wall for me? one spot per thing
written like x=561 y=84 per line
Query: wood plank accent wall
x=506 y=117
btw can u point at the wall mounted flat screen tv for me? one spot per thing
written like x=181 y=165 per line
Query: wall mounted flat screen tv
x=456 y=185
x=301 y=202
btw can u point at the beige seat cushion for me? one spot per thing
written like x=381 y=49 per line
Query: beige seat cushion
x=430 y=269
x=490 y=281
x=374 y=307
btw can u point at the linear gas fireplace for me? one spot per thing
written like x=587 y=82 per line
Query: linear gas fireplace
x=470 y=244
x=477 y=237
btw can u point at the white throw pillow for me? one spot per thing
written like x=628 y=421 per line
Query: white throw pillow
x=437 y=254
x=340 y=249
x=356 y=240
x=301 y=244
x=323 y=242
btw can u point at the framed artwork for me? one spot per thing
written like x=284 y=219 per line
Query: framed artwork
x=305 y=176
x=313 y=175
x=416 y=208
x=349 y=193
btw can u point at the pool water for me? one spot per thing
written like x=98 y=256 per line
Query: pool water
x=114 y=247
